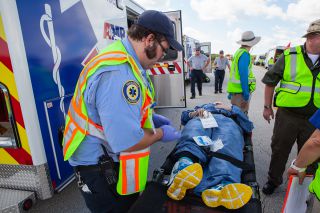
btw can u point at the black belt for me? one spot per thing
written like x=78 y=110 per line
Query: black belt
x=89 y=168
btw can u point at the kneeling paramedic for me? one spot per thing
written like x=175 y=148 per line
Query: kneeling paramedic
x=110 y=124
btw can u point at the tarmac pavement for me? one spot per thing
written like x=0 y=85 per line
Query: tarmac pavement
x=70 y=200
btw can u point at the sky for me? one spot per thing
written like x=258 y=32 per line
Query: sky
x=278 y=22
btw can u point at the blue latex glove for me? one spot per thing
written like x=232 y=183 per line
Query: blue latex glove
x=170 y=133
x=159 y=120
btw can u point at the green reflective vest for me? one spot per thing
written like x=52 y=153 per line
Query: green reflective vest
x=271 y=61
x=234 y=83
x=297 y=84
x=314 y=186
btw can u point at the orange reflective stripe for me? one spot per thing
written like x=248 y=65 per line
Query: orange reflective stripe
x=69 y=142
x=133 y=156
x=124 y=178
x=136 y=174
x=83 y=131
x=95 y=64
x=67 y=127
x=83 y=116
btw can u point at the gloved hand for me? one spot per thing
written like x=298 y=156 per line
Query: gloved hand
x=170 y=133
x=159 y=120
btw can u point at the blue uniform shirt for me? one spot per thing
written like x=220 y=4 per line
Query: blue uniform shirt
x=106 y=102
x=315 y=119
x=243 y=64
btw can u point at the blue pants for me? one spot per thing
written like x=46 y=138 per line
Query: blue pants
x=215 y=170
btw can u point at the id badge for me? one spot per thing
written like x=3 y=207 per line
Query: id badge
x=208 y=121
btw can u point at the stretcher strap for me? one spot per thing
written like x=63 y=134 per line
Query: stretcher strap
x=238 y=163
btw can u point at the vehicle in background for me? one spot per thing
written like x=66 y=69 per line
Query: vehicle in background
x=274 y=53
x=190 y=45
x=43 y=51
x=260 y=60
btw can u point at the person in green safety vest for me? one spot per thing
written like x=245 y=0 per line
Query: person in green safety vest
x=242 y=81
x=297 y=99
x=110 y=124
x=270 y=63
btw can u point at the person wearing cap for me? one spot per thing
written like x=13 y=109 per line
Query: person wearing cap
x=220 y=64
x=242 y=81
x=297 y=99
x=110 y=124
x=197 y=64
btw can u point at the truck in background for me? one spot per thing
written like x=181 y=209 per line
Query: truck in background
x=190 y=45
x=44 y=47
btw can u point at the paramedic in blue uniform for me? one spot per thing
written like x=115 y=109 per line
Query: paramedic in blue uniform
x=111 y=105
x=197 y=64
x=220 y=64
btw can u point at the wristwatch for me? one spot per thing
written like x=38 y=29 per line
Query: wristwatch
x=267 y=106
x=297 y=168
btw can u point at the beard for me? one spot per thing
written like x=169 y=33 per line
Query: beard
x=151 y=51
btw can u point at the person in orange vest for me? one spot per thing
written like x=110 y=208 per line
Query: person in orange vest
x=110 y=123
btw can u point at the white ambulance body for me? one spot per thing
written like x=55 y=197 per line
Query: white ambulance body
x=44 y=46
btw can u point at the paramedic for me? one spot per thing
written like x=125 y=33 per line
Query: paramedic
x=297 y=99
x=242 y=81
x=197 y=64
x=308 y=154
x=220 y=64
x=110 y=125
x=270 y=63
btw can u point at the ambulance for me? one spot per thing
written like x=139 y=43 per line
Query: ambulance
x=44 y=46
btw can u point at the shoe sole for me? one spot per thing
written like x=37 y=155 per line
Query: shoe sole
x=187 y=178
x=232 y=196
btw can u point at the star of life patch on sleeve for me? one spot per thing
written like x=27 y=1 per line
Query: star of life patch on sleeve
x=131 y=92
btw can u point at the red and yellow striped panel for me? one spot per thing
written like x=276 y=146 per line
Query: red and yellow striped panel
x=21 y=155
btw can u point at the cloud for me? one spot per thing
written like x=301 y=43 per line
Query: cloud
x=197 y=34
x=155 y=4
x=304 y=10
x=233 y=10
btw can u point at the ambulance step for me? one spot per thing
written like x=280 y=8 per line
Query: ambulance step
x=16 y=200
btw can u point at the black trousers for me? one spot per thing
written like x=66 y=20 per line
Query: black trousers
x=196 y=76
x=100 y=197
x=218 y=80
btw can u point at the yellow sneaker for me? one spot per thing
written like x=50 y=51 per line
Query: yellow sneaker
x=231 y=196
x=187 y=178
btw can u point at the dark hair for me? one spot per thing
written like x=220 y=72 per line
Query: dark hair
x=137 y=33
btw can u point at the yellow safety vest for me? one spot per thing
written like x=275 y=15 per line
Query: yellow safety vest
x=297 y=85
x=134 y=166
x=271 y=61
x=234 y=83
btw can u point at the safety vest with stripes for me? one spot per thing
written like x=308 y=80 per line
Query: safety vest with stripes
x=234 y=83
x=297 y=85
x=314 y=186
x=133 y=168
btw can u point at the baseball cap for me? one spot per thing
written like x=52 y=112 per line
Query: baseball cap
x=157 y=21
x=198 y=48
x=314 y=27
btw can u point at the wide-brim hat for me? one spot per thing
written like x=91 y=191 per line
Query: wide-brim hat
x=249 y=39
x=314 y=27
x=157 y=21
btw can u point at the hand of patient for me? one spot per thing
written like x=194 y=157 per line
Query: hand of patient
x=170 y=133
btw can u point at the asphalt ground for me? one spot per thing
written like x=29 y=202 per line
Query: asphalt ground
x=70 y=200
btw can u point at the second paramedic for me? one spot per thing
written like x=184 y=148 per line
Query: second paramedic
x=242 y=81
x=220 y=64
x=197 y=64
x=297 y=99
x=110 y=124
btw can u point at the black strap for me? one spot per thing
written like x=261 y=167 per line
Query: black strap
x=240 y=164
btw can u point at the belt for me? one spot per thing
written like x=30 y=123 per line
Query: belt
x=89 y=168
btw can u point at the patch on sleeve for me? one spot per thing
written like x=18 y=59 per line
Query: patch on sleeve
x=131 y=92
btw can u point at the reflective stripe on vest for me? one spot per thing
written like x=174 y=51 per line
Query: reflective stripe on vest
x=132 y=177
x=234 y=83
x=295 y=88
x=314 y=186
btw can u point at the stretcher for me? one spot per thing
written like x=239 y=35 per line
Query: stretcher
x=154 y=198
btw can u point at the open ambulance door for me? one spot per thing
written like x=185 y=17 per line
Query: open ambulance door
x=206 y=50
x=168 y=75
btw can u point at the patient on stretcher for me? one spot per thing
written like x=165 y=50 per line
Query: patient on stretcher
x=211 y=127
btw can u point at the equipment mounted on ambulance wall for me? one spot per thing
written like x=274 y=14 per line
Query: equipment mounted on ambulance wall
x=43 y=50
